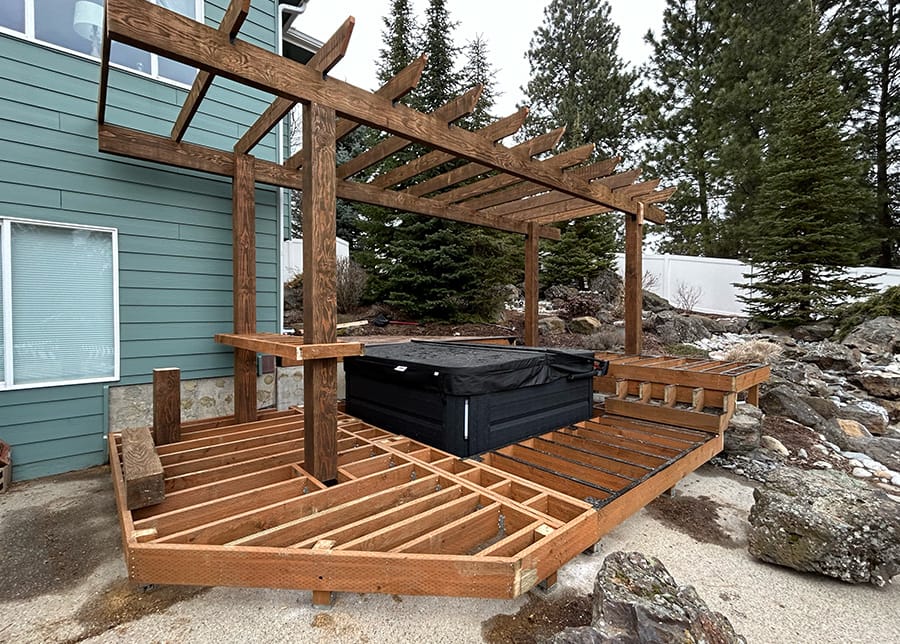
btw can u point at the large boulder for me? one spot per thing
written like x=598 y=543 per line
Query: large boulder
x=585 y=325
x=831 y=356
x=742 y=435
x=870 y=414
x=655 y=303
x=783 y=401
x=675 y=328
x=876 y=336
x=881 y=384
x=884 y=449
x=814 y=332
x=636 y=600
x=551 y=325
x=824 y=521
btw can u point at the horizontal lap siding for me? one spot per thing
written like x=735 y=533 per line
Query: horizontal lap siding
x=174 y=227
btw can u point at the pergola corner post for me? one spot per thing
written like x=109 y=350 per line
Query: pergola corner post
x=320 y=301
x=243 y=241
x=532 y=244
x=634 y=273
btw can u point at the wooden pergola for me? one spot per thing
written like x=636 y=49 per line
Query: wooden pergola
x=500 y=187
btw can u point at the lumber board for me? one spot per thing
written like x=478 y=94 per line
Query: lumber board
x=243 y=245
x=328 y=55
x=459 y=536
x=231 y=24
x=166 y=405
x=580 y=490
x=532 y=273
x=134 y=144
x=496 y=131
x=616 y=446
x=279 y=345
x=667 y=415
x=563 y=466
x=144 y=479
x=103 y=84
x=580 y=451
x=396 y=88
x=158 y=30
x=634 y=292
x=450 y=112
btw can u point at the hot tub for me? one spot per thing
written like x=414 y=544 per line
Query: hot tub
x=467 y=398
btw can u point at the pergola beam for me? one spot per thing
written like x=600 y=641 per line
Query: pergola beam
x=537 y=145
x=232 y=21
x=399 y=86
x=114 y=139
x=329 y=55
x=449 y=112
x=164 y=32
x=488 y=192
x=499 y=129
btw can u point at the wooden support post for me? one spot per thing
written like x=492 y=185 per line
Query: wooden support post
x=532 y=245
x=753 y=396
x=144 y=480
x=167 y=405
x=243 y=240
x=634 y=273
x=323 y=598
x=320 y=312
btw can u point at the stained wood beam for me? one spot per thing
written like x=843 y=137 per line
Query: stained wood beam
x=636 y=190
x=234 y=18
x=552 y=202
x=164 y=32
x=489 y=192
x=393 y=90
x=659 y=196
x=114 y=139
x=329 y=55
x=518 y=187
x=167 y=405
x=532 y=269
x=243 y=247
x=319 y=278
x=450 y=112
x=289 y=346
x=496 y=131
x=103 y=85
x=570 y=213
x=538 y=145
x=144 y=478
x=634 y=273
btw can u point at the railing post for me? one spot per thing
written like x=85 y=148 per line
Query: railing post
x=167 y=405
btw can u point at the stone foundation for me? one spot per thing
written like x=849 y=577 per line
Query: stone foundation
x=132 y=405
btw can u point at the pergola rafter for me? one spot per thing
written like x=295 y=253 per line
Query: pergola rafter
x=516 y=192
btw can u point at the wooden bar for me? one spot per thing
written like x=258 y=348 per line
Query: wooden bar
x=243 y=241
x=532 y=270
x=231 y=24
x=320 y=312
x=167 y=405
x=144 y=479
x=634 y=275
x=103 y=85
x=288 y=346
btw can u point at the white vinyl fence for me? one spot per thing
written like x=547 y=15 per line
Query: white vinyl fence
x=710 y=282
x=292 y=256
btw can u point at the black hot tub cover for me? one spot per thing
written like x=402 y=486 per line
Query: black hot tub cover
x=470 y=369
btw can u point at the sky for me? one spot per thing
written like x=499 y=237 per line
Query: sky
x=506 y=25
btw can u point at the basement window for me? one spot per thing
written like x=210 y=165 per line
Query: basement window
x=77 y=26
x=59 y=305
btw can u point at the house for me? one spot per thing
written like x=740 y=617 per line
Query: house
x=111 y=267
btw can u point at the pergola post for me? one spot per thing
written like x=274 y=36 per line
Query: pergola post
x=243 y=241
x=532 y=242
x=634 y=273
x=319 y=299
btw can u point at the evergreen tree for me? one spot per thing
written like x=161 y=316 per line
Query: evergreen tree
x=866 y=42
x=440 y=80
x=478 y=72
x=804 y=230
x=678 y=121
x=578 y=81
x=399 y=38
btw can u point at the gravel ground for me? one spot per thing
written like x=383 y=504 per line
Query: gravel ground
x=63 y=579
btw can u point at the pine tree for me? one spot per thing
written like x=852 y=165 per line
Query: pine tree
x=399 y=38
x=678 y=121
x=866 y=42
x=578 y=81
x=477 y=71
x=804 y=231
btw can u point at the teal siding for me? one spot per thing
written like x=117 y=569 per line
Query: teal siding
x=174 y=226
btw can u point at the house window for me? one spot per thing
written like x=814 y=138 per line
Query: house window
x=76 y=25
x=59 y=305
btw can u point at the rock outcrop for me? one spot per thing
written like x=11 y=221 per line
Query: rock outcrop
x=826 y=522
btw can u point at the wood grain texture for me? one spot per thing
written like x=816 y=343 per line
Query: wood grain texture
x=150 y=147
x=395 y=89
x=532 y=269
x=499 y=129
x=291 y=347
x=329 y=55
x=231 y=24
x=450 y=112
x=144 y=479
x=537 y=145
x=634 y=293
x=160 y=31
x=103 y=85
x=243 y=247
x=320 y=312
x=167 y=405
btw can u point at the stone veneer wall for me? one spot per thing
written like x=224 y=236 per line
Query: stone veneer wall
x=132 y=405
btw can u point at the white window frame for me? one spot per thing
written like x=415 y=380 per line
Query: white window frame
x=199 y=10
x=6 y=278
